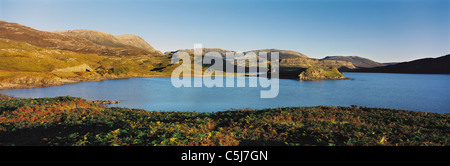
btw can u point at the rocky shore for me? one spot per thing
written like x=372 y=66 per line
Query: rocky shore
x=43 y=81
x=103 y=102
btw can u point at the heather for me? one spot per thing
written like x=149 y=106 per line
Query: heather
x=71 y=121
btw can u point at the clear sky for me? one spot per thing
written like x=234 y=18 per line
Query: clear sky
x=382 y=30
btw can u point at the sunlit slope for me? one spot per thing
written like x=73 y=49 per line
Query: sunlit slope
x=22 y=64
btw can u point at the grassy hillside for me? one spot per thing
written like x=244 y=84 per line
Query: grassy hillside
x=20 y=56
x=76 y=121
x=25 y=65
x=299 y=63
x=44 y=39
x=107 y=39
x=136 y=41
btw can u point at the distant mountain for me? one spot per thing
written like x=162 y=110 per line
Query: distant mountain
x=291 y=63
x=356 y=60
x=204 y=51
x=282 y=53
x=97 y=37
x=391 y=63
x=104 y=44
x=440 y=65
x=296 y=63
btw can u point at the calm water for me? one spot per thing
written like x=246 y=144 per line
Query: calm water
x=417 y=92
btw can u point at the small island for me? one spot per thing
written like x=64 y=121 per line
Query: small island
x=316 y=73
x=311 y=73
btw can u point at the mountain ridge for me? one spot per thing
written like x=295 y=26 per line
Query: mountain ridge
x=45 y=39
x=356 y=60
x=126 y=41
x=136 y=41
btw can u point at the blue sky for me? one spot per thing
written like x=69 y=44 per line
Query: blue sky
x=382 y=30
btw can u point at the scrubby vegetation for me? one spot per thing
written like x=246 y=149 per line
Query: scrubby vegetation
x=76 y=121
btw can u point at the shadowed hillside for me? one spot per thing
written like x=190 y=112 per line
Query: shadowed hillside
x=440 y=65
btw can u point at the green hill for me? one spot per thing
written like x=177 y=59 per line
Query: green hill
x=23 y=65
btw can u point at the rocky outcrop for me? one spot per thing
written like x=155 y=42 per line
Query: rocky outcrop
x=34 y=81
x=316 y=73
x=79 y=68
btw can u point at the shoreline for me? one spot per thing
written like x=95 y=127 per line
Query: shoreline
x=2 y=96
x=7 y=86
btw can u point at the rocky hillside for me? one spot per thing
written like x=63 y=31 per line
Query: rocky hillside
x=33 y=58
x=440 y=65
x=289 y=59
x=23 y=65
x=107 y=39
x=204 y=51
x=97 y=37
x=316 y=73
x=291 y=63
x=282 y=53
x=357 y=61
x=136 y=41
x=311 y=62
x=17 y=32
